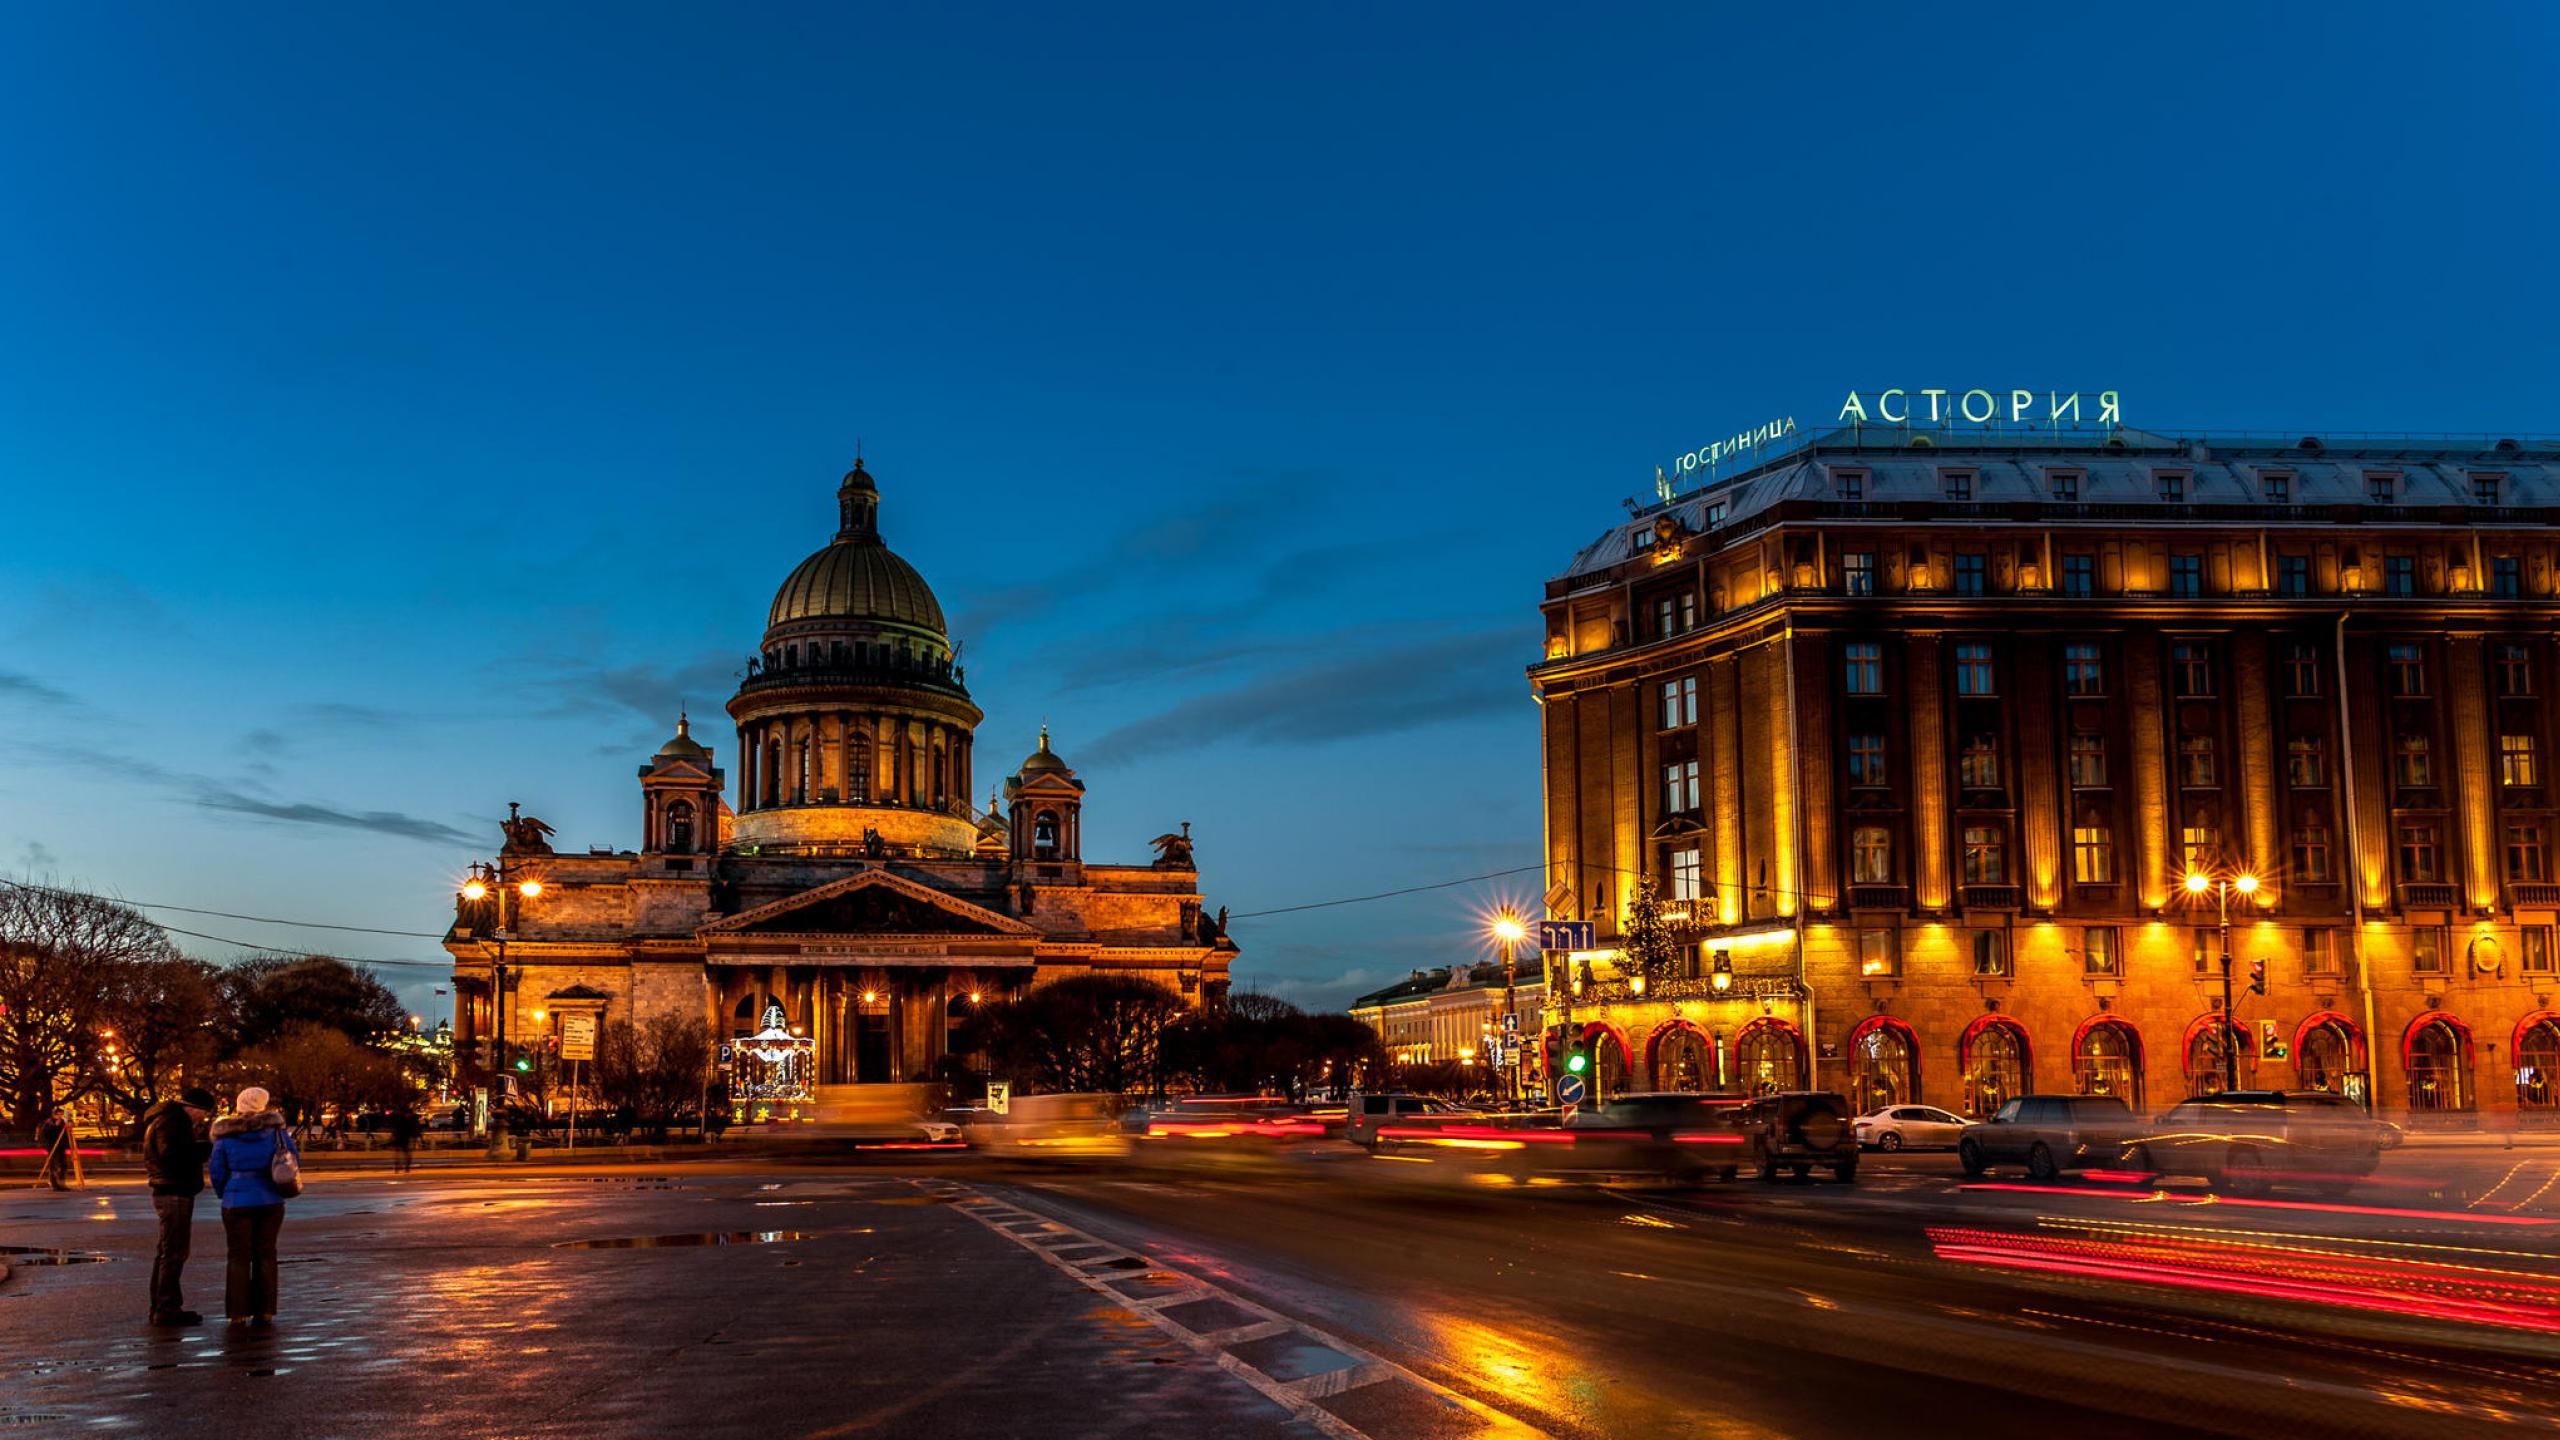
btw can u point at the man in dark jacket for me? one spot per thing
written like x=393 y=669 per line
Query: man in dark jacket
x=174 y=1147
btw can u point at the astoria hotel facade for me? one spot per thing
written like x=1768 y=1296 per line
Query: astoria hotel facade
x=1920 y=731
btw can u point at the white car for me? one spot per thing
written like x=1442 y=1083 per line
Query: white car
x=1910 y=1127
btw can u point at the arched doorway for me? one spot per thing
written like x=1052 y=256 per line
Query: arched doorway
x=2537 y=1052
x=2106 y=1059
x=2436 y=1053
x=1610 y=1065
x=1884 y=1065
x=1681 y=1058
x=2328 y=1054
x=1768 y=1056
x=1996 y=1061
x=2209 y=1038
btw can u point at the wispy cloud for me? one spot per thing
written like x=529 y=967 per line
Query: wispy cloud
x=15 y=685
x=214 y=796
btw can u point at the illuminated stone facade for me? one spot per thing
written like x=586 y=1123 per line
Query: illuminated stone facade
x=1450 y=1016
x=850 y=887
x=1922 y=733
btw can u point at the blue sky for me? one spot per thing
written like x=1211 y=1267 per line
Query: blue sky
x=403 y=413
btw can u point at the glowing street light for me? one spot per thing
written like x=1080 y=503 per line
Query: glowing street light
x=2244 y=880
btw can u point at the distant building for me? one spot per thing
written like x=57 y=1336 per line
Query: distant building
x=1449 y=1016
x=841 y=909
x=1921 y=732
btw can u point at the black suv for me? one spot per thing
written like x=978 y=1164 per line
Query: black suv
x=2050 y=1133
x=1802 y=1129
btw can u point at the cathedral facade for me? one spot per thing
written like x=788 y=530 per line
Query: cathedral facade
x=837 y=916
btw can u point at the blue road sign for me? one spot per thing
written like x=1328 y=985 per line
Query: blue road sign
x=1570 y=1089
x=1566 y=935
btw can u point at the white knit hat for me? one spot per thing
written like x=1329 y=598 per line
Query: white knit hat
x=251 y=1101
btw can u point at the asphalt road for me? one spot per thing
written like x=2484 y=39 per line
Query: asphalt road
x=1246 y=1290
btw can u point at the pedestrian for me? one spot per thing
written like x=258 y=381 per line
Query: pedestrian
x=404 y=1139
x=175 y=1146
x=250 y=1147
x=55 y=1139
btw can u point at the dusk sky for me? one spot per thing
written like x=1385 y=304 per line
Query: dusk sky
x=405 y=412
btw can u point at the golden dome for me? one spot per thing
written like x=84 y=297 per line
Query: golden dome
x=857 y=579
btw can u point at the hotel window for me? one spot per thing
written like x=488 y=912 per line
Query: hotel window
x=2173 y=486
x=2515 y=670
x=1863 y=668
x=2093 y=853
x=2088 y=762
x=2195 y=762
x=2408 y=669
x=2320 y=951
x=1990 y=953
x=2199 y=845
x=2399 y=575
x=2416 y=768
x=2506 y=580
x=2191 y=668
x=2079 y=576
x=2524 y=852
x=2201 y=951
x=2536 y=949
x=1685 y=875
x=1714 y=515
x=2279 y=487
x=1679 y=703
x=1877 y=955
x=1866 y=761
x=1680 y=787
x=1986 y=855
x=2066 y=485
x=1642 y=540
x=1675 y=614
x=2517 y=764
x=2311 y=850
x=1968 y=574
x=2303 y=763
x=1959 y=484
x=2302 y=668
x=2080 y=672
x=1973 y=669
x=1852 y=483
x=2380 y=489
x=2426 y=950
x=2484 y=489
x=1870 y=855
x=2186 y=576
x=2293 y=576
x=1858 y=572
x=2098 y=953
x=2421 y=852
x=1978 y=764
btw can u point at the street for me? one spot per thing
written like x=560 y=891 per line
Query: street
x=1253 y=1290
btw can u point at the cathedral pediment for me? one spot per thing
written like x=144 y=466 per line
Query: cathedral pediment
x=874 y=902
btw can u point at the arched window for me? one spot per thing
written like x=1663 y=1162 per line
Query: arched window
x=680 y=827
x=1885 y=1061
x=941 y=778
x=2328 y=1055
x=2106 y=1059
x=2206 y=1042
x=1682 y=1059
x=1609 y=1060
x=1997 y=1063
x=1768 y=1056
x=857 y=769
x=2437 y=1055
x=773 y=772
x=2537 y=1053
x=1044 y=835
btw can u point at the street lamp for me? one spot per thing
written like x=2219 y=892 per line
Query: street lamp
x=484 y=881
x=2221 y=884
x=1508 y=932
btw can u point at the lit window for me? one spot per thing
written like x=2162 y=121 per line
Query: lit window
x=1858 y=572
x=2201 y=951
x=1866 y=761
x=1877 y=955
x=2088 y=762
x=2199 y=845
x=1986 y=853
x=2093 y=853
x=1990 y=953
x=1680 y=787
x=2304 y=765
x=2517 y=764
x=2537 y=949
x=2320 y=951
x=1871 y=855
x=2426 y=950
x=1863 y=664
x=1679 y=703
x=1978 y=763
x=1973 y=669
x=2098 y=955
x=2081 y=674
x=1686 y=876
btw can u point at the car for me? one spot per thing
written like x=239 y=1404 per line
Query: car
x=1799 y=1129
x=2050 y=1134
x=2244 y=1141
x=1369 y=1111
x=1909 y=1127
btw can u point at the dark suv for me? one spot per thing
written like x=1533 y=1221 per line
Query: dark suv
x=2050 y=1134
x=1800 y=1129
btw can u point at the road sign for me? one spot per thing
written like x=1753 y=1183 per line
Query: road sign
x=1566 y=935
x=577 y=1037
x=1558 y=897
x=1510 y=1022
x=1000 y=1096
x=1570 y=1089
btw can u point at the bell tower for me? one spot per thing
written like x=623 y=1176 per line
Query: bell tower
x=680 y=798
x=1046 y=803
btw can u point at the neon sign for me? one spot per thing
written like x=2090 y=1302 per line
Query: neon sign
x=2049 y=408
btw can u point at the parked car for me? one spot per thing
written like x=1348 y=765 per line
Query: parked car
x=1799 y=1129
x=2243 y=1141
x=2050 y=1134
x=1910 y=1127
x=1368 y=1112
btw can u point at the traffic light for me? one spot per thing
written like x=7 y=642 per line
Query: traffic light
x=524 y=1064
x=2258 y=976
x=1577 y=1057
x=484 y=1053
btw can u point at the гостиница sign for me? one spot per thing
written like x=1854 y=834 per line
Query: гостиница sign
x=1911 y=408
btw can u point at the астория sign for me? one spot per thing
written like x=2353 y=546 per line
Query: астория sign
x=1981 y=407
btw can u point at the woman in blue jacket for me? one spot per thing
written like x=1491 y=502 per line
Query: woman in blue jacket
x=244 y=1149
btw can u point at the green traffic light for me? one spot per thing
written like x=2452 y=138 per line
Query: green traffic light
x=522 y=1064
x=1576 y=1064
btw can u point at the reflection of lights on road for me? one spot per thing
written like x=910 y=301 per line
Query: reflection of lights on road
x=2449 y=1217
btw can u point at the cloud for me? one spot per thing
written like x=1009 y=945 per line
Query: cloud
x=214 y=796
x=37 y=858
x=643 y=688
x=1376 y=690
x=17 y=686
x=341 y=714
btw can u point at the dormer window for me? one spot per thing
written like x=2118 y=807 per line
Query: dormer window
x=2066 y=485
x=1852 y=483
x=2172 y=485
x=1643 y=540
x=2484 y=488
x=2279 y=486
x=1959 y=484
x=2382 y=489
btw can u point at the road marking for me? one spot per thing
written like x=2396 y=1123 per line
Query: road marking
x=1110 y=1266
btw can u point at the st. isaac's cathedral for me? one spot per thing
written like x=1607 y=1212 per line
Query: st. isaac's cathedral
x=839 y=914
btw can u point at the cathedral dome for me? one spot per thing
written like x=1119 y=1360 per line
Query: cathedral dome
x=857 y=579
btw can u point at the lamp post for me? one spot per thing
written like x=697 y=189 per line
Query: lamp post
x=486 y=880
x=1508 y=932
x=2221 y=884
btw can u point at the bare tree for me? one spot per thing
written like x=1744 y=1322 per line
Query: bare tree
x=163 y=1015
x=62 y=955
x=657 y=1069
x=1086 y=1034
